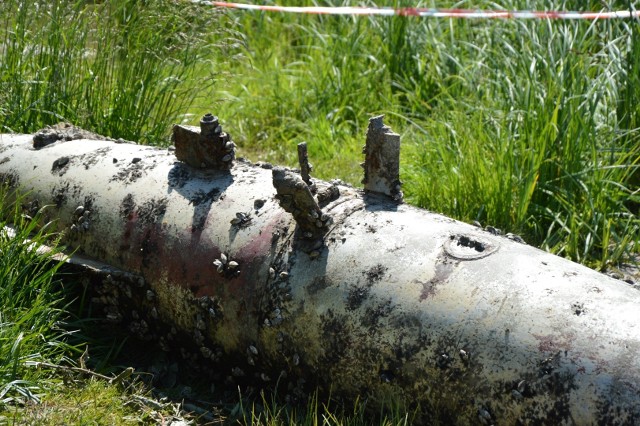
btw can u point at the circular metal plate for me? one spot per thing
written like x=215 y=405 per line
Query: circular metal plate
x=469 y=247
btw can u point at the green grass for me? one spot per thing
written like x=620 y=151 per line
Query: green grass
x=270 y=411
x=122 y=68
x=530 y=126
x=31 y=314
x=94 y=402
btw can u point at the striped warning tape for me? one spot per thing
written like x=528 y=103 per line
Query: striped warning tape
x=428 y=12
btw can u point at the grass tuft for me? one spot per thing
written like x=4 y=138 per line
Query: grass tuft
x=121 y=68
x=30 y=296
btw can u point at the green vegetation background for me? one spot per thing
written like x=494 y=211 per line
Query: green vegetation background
x=529 y=126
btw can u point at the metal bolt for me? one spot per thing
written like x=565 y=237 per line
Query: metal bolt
x=208 y=125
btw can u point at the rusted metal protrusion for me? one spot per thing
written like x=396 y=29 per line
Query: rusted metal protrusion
x=382 y=160
x=204 y=147
x=327 y=194
x=305 y=166
x=296 y=198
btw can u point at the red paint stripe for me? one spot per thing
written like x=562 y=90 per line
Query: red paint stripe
x=408 y=11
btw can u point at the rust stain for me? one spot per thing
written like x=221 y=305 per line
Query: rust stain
x=259 y=246
x=555 y=342
x=430 y=288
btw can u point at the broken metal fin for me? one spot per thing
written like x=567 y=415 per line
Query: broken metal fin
x=382 y=160
x=303 y=160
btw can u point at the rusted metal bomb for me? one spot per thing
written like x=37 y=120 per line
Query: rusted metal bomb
x=283 y=278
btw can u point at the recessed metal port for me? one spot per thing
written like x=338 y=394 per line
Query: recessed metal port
x=467 y=247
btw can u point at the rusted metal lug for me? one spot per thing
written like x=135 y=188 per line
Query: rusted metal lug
x=327 y=193
x=382 y=160
x=205 y=147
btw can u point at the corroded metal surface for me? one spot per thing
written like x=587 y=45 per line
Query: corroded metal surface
x=397 y=304
x=206 y=146
x=305 y=166
x=295 y=197
x=382 y=160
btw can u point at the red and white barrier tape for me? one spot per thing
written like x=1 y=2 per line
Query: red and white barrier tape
x=428 y=12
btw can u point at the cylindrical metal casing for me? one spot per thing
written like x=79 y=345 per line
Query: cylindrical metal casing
x=401 y=304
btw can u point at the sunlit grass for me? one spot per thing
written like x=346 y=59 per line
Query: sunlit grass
x=122 y=68
x=93 y=402
x=31 y=309
x=269 y=411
